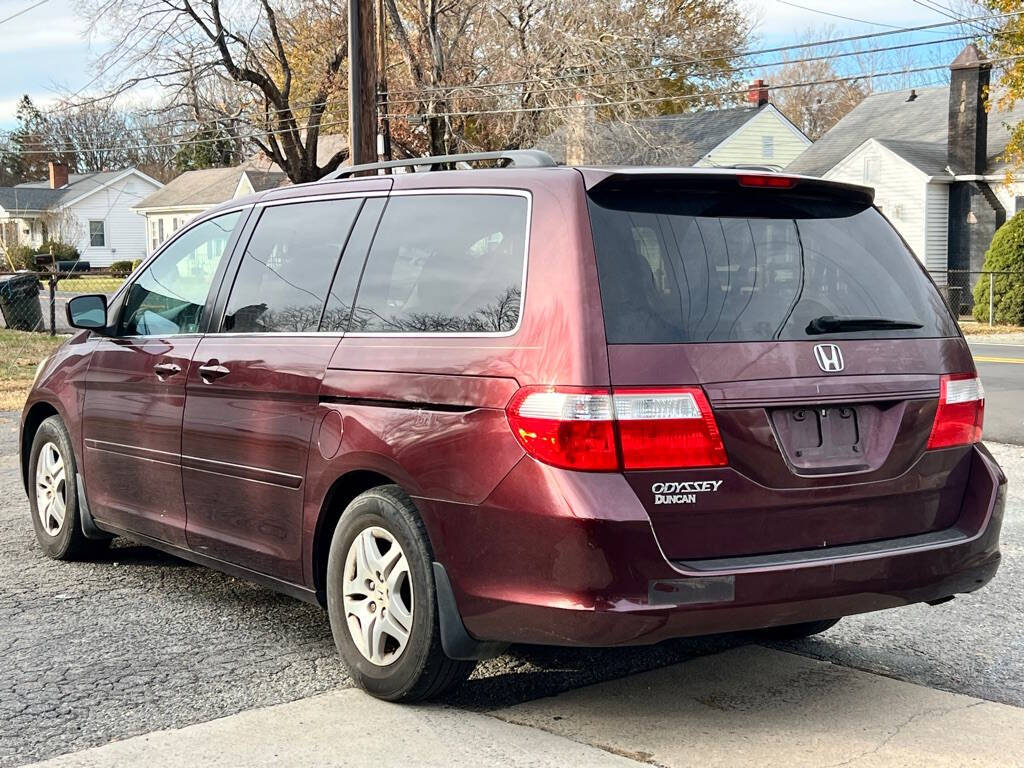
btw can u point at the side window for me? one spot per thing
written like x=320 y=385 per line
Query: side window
x=97 y=234
x=443 y=264
x=287 y=267
x=169 y=296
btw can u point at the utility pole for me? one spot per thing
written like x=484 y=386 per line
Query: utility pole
x=382 y=83
x=362 y=83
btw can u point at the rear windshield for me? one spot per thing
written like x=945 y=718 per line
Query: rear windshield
x=753 y=265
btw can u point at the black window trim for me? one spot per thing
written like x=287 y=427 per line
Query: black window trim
x=506 y=191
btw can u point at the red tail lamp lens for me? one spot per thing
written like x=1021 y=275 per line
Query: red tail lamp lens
x=597 y=430
x=961 y=411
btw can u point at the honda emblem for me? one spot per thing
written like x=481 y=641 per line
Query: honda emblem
x=829 y=358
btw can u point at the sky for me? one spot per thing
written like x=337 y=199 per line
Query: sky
x=48 y=50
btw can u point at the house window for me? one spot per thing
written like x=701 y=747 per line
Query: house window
x=160 y=230
x=767 y=147
x=97 y=234
x=1018 y=204
x=870 y=170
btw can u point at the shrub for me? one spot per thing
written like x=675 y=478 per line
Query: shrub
x=121 y=268
x=23 y=257
x=61 y=251
x=135 y=264
x=1005 y=254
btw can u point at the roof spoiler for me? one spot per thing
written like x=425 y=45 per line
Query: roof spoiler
x=697 y=179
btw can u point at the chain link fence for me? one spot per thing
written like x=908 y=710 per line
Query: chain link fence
x=35 y=301
x=996 y=298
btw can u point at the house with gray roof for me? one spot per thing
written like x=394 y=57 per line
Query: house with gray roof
x=758 y=135
x=935 y=159
x=168 y=209
x=92 y=211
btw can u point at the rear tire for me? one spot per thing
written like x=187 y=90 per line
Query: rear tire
x=382 y=602
x=53 y=495
x=797 y=631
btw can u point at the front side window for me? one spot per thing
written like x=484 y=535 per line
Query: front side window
x=97 y=234
x=170 y=295
x=445 y=264
x=288 y=266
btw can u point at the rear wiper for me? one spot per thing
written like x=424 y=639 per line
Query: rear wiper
x=833 y=324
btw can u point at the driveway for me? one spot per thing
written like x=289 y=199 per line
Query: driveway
x=139 y=641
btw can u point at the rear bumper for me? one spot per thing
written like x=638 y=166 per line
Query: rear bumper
x=568 y=571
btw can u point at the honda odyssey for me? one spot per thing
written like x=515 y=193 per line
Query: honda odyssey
x=529 y=404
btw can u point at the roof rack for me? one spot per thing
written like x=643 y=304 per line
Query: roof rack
x=517 y=158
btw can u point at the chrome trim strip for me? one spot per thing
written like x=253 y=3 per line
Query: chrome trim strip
x=261 y=475
x=272 y=476
x=134 y=452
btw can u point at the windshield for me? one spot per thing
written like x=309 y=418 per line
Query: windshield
x=755 y=266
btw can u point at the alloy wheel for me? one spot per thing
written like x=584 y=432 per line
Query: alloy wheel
x=51 y=489
x=377 y=595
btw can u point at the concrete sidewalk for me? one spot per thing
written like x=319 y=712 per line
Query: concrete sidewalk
x=750 y=706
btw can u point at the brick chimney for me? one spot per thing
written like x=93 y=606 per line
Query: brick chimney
x=58 y=175
x=758 y=93
x=967 y=145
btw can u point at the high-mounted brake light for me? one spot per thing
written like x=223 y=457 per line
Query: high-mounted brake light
x=605 y=431
x=767 y=181
x=961 y=411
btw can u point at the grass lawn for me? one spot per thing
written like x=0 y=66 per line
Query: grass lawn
x=974 y=328
x=99 y=284
x=20 y=353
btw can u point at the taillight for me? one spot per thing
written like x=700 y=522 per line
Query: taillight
x=597 y=430
x=961 y=411
x=766 y=181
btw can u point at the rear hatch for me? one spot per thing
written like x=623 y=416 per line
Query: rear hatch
x=818 y=340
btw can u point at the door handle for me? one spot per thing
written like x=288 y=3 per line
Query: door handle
x=212 y=371
x=165 y=370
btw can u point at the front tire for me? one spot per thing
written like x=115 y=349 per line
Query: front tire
x=53 y=495
x=382 y=601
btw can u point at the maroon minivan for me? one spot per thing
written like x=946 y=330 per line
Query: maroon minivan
x=530 y=404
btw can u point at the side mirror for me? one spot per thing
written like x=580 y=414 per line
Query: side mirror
x=89 y=312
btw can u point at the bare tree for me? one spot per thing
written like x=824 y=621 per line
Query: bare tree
x=281 y=61
x=552 y=59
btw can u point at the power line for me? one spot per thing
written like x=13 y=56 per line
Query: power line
x=687 y=97
x=722 y=55
x=730 y=70
x=22 y=11
x=138 y=147
x=836 y=15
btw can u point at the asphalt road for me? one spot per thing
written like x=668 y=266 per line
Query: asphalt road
x=1001 y=367
x=138 y=641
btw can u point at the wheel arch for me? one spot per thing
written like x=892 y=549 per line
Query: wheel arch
x=33 y=417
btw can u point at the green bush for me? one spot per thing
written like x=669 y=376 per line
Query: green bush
x=61 y=251
x=121 y=268
x=23 y=257
x=135 y=264
x=1006 y=254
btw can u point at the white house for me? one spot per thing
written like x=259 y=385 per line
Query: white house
x=92 y=211
x=170 y=208
x=934 y=158
x=758 y=135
